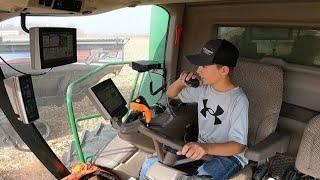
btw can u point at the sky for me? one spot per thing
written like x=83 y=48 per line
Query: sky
x=123 y=21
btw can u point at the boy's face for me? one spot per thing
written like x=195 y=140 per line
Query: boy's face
x=211 y=74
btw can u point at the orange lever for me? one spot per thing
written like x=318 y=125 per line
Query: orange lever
x=143 y=108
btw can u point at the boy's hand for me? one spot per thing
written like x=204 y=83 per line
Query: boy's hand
x=175 y=88
x=193 y=150
x=185 y=76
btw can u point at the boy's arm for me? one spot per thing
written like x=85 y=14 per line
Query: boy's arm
x=194 y=150
x=224 y=149
x=175 y=88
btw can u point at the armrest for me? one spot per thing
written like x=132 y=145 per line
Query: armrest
x=275 y=142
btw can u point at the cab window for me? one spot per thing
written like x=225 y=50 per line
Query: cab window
x=294 y=45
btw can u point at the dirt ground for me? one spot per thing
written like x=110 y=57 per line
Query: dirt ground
x=20 y=165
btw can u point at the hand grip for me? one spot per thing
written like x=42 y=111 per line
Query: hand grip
x=143 y=108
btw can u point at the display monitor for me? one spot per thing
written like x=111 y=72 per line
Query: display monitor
x=51 y=47
x=107 y=98
x=22 y=98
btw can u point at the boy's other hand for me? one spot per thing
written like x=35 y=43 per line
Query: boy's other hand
x=193 y=150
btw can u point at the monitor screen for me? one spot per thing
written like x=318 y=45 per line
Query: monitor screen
x=110 y=98
x=28 y=97
x=51 y=47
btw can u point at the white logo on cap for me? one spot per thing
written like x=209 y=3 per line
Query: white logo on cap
x=207 y=51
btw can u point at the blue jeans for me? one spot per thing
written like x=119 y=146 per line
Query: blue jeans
x=146 y=166
x=219 y=167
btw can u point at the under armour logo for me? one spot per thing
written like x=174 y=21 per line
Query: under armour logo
x=217 y=113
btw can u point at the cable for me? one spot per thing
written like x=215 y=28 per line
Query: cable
x=167 y=98
x=149 y=76
x=161 y=88
x=156 y=73
x=170 y=108
x=22 y=71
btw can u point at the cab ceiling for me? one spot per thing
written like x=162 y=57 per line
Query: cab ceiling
x=11 y=8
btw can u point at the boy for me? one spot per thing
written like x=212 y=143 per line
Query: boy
x=222 y=110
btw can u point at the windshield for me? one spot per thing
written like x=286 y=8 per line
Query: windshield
x=120 y=35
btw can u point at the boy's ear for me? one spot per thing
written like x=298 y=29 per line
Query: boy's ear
x=225 y=70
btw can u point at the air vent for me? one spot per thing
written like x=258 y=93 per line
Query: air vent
x=68 y=5
x=47 y=3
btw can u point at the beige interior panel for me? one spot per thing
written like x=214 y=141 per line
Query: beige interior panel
x=176 y=12
x=131 y=167
x=295 y=129
x=160 y=171
x=301 y=84
x=259 y=7
x=115 y=153
x=301 y=88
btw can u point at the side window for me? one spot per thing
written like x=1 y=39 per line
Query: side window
x=127 y=34
x=157 y=44
x=298 y=46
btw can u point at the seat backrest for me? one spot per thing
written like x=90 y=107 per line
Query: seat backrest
x=263 y=85
x=308 y=158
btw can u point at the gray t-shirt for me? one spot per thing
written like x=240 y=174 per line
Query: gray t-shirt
x=222 y=116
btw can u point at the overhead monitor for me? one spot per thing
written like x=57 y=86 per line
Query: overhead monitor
x=108 y=100
x=51 y=47
x=22 y=99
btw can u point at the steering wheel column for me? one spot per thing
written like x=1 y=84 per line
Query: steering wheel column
x=159 y=139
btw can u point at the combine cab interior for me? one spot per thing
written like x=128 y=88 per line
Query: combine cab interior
x=278 y=69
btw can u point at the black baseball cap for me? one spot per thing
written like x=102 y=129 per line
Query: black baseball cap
x=216 y=51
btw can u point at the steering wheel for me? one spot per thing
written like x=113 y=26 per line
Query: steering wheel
x=160 y=139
